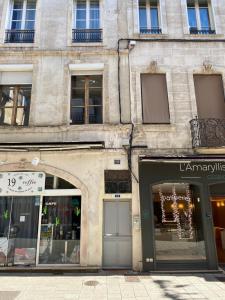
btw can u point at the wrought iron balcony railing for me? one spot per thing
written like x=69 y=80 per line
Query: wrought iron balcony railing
x=19 y=36
x=155 y=30
x=208 y=133
x=87 y=35
x=194 y=30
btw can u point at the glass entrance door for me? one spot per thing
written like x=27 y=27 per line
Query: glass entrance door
x=60 y=230
x=178 y=223
x=18 y=230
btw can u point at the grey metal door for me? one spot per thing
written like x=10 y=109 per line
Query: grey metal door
x=117 y=240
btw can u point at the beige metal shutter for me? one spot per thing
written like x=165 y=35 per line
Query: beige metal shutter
x=155 y=99
x=209 y=96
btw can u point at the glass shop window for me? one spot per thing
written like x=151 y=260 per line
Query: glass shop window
x=117 y=182
x=60 y=230
x=54 y=183
x=178 y=222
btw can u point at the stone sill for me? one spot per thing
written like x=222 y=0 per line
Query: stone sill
x=204 y=36
x=205 y=150
x=98 y=44
x=158 y=127
x=18 y=45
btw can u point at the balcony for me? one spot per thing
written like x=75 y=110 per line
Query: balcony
x=87 y=35
x=19 y=36
x=155 y=30
x=208 y=133
x=202 y=31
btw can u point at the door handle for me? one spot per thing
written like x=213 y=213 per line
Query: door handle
x=109 y=234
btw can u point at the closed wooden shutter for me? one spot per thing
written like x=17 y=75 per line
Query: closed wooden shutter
x=209 y=96
x=155 y=99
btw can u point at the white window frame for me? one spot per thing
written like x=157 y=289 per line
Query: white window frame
x=88 y=6
x=148 y=13
x=23 y=21
x=197 y=13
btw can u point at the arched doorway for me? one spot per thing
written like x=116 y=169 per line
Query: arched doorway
x=42 y=228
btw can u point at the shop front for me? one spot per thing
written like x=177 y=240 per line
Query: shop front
x=40 y=220
x=182 y=212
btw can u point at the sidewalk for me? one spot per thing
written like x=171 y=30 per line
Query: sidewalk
x=111 y=287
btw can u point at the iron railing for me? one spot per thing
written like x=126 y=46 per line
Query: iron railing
x=155 y=30
x=87 y=35
x=19 y=36
x=208 y=132
x=194 y=30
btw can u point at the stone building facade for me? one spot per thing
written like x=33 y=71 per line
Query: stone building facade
x=47 y=57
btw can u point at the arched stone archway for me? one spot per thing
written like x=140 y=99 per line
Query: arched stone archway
x=67 y=176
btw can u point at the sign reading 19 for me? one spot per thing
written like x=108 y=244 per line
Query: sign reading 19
x=11 y=182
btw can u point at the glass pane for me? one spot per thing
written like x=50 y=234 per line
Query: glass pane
x=94 y=4
x=154 y=18
x=95 y=81
x=204 y=17
x=143 y=17
x=29 y=25
x=6 y=116
x=23 y=230
x=81 y=4
x=217 y=192
x=77 y=81
x=78 y=97
x=6 y=98
x=80 y=24
x=31 y=4
x=16 y=25
x=30 y=15
x=95 y=96
x=60 y=230
x=18 y=4
x=81 y=14
x=178 y=225
x=192 y=17
x=77 y=115
x=94 y=24
x=17 y=15
x=95 y=114
x=5 y=208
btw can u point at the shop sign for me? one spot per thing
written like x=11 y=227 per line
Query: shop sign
x=22 y=183
x=210 y=168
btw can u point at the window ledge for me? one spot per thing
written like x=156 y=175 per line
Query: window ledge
x=159 y=127
x=203 y=36
x=18 y=45
x=97 y=44
x=152 y=36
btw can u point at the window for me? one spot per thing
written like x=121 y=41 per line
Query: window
x=199 y=17
x=87 y=21
x=155 y=99
x=210 y=96
x=86 y=99
x=22 y=22
x=117 y=181
x=149 y=17
x=15 y=105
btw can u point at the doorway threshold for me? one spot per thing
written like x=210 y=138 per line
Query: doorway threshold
x=54 y=270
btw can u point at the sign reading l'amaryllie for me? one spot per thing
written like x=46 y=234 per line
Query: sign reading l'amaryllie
x=22 y=183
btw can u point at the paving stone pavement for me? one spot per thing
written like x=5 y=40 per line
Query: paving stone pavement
x=112 y=287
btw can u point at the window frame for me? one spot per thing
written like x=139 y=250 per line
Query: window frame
x=86 y=105
x=148 y=7
x=15 y=106
x=23 y=20
x=197 y=7
x=88 y=10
